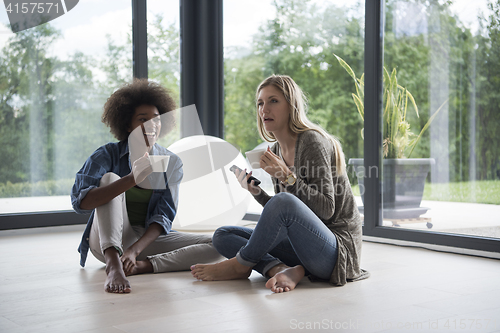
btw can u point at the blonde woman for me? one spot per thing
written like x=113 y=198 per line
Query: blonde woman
x=312 y=225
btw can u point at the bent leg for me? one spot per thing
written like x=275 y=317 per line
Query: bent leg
x=178 y=251
x=110 y=231
x=229 y=240
x=286 y=217
x=286 y=221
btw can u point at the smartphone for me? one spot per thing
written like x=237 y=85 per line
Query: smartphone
x=256 y=181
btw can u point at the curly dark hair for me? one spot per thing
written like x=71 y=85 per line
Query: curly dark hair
x=120 y=106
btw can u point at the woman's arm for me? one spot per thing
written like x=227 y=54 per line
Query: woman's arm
x=262 y=197
x=129 y=256
x=99 y=196
x=258 y=193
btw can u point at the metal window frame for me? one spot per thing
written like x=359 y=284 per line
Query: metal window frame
x=374 y=50
x=202 y=63
x=140 y=39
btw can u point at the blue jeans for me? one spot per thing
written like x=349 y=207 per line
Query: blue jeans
x=287 y=232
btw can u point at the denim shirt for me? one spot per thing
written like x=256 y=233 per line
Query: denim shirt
x=114 y=157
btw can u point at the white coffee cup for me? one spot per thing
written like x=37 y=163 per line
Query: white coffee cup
x=159 y=163
x=254 y=157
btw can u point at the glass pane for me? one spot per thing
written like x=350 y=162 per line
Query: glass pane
x=54 y=81
x=299 y=39
x=164 y=53
x=442 y=59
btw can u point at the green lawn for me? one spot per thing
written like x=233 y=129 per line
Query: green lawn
x=484 y=191
x=41 y=188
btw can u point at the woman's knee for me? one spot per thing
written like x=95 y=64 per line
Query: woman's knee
x=108 y=178
x=282 y=200
x=284 y=196
x=226 y=236
x=218 y=236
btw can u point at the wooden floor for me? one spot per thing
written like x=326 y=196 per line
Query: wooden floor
x=43 y=289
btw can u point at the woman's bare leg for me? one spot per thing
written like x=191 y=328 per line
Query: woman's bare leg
x=116 y=282
x=111 y=229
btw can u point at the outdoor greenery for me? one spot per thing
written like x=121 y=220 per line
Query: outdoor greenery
x=481 y=191
x=50 y=107
x=397 y=138
x=41 y=188
x=442 y=62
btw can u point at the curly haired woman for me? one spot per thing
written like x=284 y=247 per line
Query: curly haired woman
x=131 y=216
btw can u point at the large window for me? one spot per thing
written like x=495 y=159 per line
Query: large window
x=446 y=55
x=54 y=80
x=163 y=44
x=436 y=57
x=299 y=39
x=164 y=52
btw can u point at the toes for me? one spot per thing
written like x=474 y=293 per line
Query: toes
x=271 y=283
x=118 y=289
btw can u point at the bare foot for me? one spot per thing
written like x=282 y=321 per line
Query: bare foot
x=229 y=269
x=286 y=279
x=116 y=282
x=141 y=267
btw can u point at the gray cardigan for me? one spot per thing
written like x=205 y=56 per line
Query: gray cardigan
x=329 y=197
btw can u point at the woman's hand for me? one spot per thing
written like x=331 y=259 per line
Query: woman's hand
x=141 y=168
x=252 y=188
x=128 y=260
x=273 y=165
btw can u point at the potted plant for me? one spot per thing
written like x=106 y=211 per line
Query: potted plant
x=403 y=179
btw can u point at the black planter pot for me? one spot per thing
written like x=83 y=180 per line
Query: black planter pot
x=403 y=182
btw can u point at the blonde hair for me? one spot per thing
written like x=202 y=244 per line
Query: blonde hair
x=299 y=122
